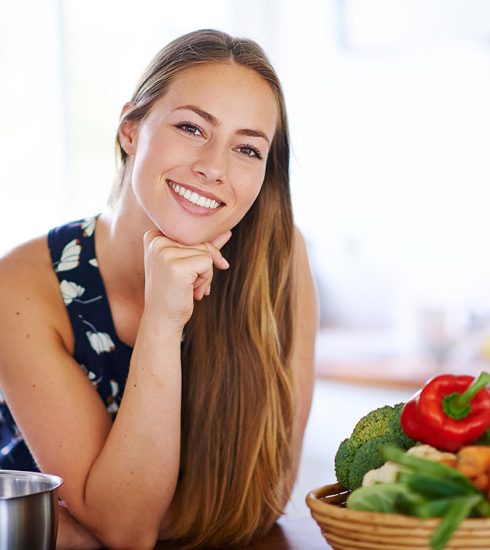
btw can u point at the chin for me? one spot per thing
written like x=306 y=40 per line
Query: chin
x=187 y=237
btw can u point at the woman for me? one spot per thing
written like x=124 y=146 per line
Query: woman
x=193 y=294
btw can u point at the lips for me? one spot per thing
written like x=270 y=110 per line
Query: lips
x=195 y=195
x=193 y=201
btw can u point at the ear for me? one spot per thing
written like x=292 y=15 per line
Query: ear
x=127 y=132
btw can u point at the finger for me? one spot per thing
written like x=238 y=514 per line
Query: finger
x=221 y=240
x=197 y=269
x=199 y=295
x=200 y=291
x=156 y=235
x=202 y=285
x=150 y=236
x=203 y=289
x=218 y=259
x=203 y=281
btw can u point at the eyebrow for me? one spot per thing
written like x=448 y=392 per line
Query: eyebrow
x=215 y=122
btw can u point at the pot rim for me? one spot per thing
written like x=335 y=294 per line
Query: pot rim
x=53 y=479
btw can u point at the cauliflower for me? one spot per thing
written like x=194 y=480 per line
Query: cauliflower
x=389 y=471
x=426 y=451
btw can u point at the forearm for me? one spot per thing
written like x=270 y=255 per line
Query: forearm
x=71 y=535
x=132 y=481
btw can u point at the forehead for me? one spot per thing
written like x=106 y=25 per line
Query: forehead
x=235 y=95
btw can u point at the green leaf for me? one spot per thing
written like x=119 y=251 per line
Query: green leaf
x=376 y=498
x=457 y=512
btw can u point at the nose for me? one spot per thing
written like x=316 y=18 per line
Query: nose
x=210 y=163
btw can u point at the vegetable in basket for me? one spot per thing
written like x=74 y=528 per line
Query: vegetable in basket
x=449 y=412
x=422 y=480
x=359 y=453
x=424 y=489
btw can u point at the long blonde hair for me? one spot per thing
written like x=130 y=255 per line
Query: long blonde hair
x=237 y=400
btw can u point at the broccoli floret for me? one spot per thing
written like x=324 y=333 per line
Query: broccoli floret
x=384 y=423
x=343 y=460
x=374 y=424
x=366 y=458
x=399 y=436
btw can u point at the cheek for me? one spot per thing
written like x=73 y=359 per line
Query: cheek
x=151 y=161
x=248 y=192
x=155 y=150
x=253 y=187
x=141 y=177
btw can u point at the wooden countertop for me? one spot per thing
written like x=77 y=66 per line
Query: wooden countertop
x=290 y=533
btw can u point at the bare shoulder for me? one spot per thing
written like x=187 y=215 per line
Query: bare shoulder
x=24 y=272
x=304 y=287
x=299 y=245
x=29 y=294
x=18 y=265
x=305 y=324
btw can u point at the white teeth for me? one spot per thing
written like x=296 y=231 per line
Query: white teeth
x=193 y=197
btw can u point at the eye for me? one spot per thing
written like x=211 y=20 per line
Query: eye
x=250 y=151
x=190 y=128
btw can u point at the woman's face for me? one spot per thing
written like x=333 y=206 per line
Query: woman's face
x=197 y=161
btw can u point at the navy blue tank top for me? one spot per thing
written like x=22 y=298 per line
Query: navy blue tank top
x=98 y=350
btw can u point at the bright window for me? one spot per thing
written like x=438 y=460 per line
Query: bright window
x=389 y=112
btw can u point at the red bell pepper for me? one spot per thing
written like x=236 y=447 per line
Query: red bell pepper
x=449 y=411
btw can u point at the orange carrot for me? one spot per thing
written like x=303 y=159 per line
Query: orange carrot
x=473 y=460
x=482 y=482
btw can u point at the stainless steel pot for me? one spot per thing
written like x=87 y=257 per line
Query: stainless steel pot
x=28 y=510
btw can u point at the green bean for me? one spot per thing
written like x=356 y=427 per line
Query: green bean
x=440 y=507
x=432 y=486
x=457 y=512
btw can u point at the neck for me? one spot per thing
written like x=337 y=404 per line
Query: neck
x=119 y=241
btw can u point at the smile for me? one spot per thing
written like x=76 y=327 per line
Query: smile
x=194 y=197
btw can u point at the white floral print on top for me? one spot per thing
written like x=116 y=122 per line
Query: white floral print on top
x=70 y=257
x=70 y=291
x=88 y=226
x=112 y=405
x=100 y=341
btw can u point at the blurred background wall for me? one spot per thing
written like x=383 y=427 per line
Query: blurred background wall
x=390 y=124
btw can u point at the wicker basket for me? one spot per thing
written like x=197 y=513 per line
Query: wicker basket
x=346 y=529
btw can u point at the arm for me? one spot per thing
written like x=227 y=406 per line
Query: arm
x=71 y=535
x=119 y=478
x=303 y=362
